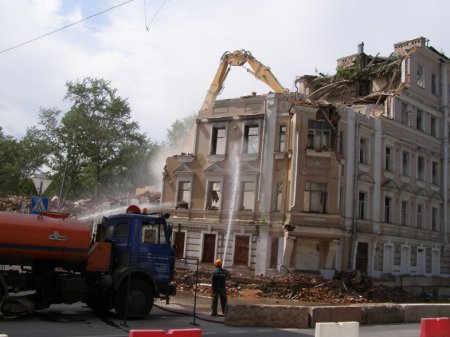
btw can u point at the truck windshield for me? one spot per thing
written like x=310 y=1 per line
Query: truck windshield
x=152 y=233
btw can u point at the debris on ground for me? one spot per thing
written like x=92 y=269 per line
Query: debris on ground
x=344 y=288
x=14 y=204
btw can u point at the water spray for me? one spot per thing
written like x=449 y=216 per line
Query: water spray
x=151 y=208
x=234 y=188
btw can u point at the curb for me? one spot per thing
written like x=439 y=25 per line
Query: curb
x=287 y=316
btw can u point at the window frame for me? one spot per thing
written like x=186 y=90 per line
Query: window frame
x=420 y=168
x=433 y=126
x=389 y=159
x=245 y=192
x=435 y=172
x=434 y=218
x=420 y=81
x=388 y=209
x=181 y=192
x=248 y=143
x=282 y=137
x=209 y=199
x=362 y=205
x=434 y=84
x=319 y=135
x=311 y=194
x=404 y=212
x=364 y=150
x=406 y=114
x=420 y=215
x=406 y=163
x=419 y=120
x=215 y=138
x=278 y=197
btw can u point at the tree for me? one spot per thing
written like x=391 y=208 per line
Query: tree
x=10 y=152
x=179 y=134
x=104 y=140
x=18 y=160
x=95 y=147
x=91 y=150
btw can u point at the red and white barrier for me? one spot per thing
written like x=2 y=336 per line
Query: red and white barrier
x=170 y=333
x=337 y=329
x=435 y=327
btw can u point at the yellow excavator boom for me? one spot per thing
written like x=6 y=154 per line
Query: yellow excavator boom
x=239 y=58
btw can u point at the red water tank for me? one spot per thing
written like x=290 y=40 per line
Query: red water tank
x=25 y=238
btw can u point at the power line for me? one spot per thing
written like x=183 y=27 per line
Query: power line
x=69 y=25
x=147 y=26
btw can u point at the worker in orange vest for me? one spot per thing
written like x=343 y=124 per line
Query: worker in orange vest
x=219 y=289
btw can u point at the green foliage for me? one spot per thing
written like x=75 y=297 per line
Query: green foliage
x=359 y=71
x=321 y=81
x=10 y=153
x=18 y=159
x=92 y=150
x=179 y=133
x=95 y=149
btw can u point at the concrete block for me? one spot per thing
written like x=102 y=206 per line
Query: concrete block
x=444 y=291
x=340 y=329
x=276 y=316
x=415 y=312
x=383 y=313
x=336 y=314
x=444 y=310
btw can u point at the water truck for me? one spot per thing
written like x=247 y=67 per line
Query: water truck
x=122 y=263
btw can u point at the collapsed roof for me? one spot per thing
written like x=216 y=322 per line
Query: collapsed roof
x=361 y=78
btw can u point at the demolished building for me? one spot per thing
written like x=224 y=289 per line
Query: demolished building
x=348 y=173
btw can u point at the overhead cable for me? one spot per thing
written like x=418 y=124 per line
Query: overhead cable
x=67 y=26
x=147 y=26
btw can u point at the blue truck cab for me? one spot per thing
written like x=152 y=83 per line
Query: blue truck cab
x=142 y=263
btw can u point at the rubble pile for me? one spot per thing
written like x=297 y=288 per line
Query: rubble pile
x=79 y=207
x=13 y=204
x=344 y=288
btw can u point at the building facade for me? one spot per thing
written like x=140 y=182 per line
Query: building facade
x=349 y=172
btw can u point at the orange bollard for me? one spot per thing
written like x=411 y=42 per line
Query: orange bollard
x=171 y=333
x=435 y=327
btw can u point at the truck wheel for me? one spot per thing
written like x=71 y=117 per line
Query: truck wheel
x=140 y=299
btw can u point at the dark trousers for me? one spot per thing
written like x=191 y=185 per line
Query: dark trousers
x=222 y=293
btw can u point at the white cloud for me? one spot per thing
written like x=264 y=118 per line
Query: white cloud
x=166 y=71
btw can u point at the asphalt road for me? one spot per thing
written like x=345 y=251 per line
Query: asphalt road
x=79 y=321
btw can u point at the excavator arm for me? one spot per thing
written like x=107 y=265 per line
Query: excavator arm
x=239 y=58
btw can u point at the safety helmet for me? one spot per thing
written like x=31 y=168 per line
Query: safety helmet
x=218 y=262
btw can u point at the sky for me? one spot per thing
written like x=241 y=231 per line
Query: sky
x=165 y=71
